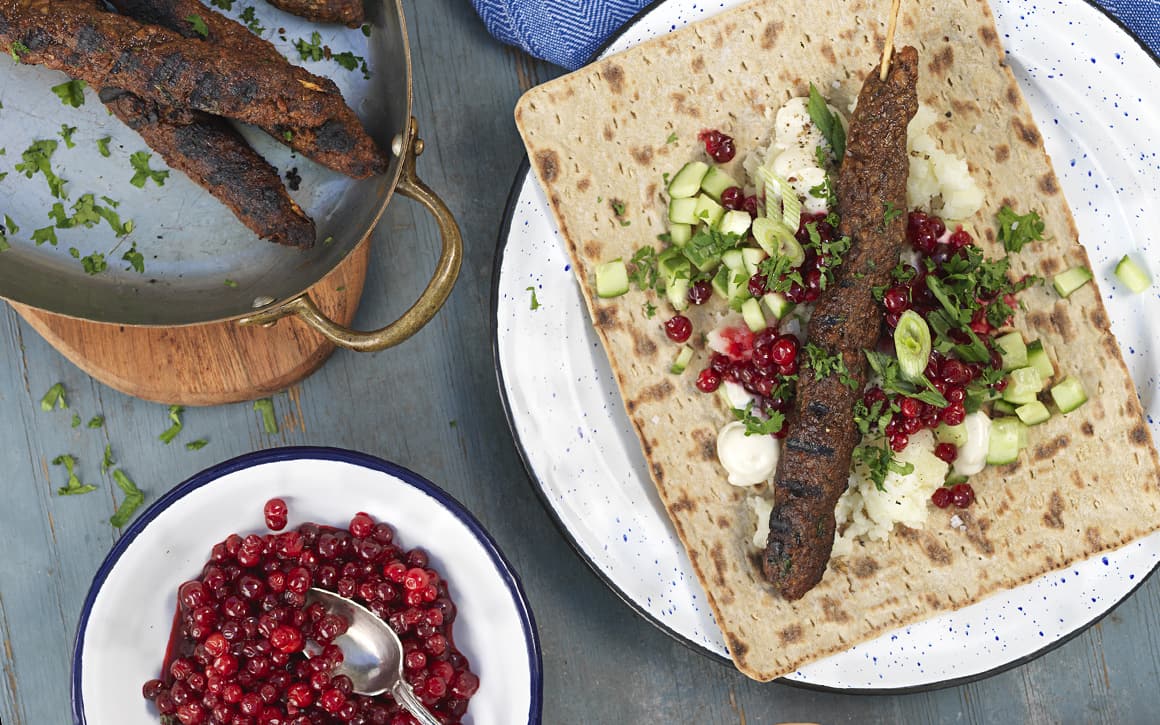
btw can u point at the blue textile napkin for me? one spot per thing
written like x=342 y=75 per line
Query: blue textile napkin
x=569 y=32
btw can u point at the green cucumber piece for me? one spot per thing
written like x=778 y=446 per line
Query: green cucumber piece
x=1032 y=413
x=1003 y=446
x=777 y=304
x=778 y=240
x=683 y=211
x=720 y=282
x=1037 y=358
x=717 y=181
x=738 y=288
x=753 y=257
x=732 y=259
x=955 y=479
x=688 y=180
x=1070 y=280
x=675 y=271
x=956 y=434
x=680 y=234
x=1003 y=407
x=912 y=345
x=684 y=357
x=708 y=211
x=736 y=222
x=1134 y=277
x=611 y=279
x=677 y=293
x=1068 y=394
x=751 y=312
x=1013 y=349
x=1023 y=384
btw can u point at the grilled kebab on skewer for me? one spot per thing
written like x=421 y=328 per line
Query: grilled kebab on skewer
x=815 y=463
x=340 y=144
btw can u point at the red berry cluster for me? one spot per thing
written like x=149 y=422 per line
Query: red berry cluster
x=961 y=495
x=734 y=199
x=763 y=364
x=719 y=146
x=244 y=624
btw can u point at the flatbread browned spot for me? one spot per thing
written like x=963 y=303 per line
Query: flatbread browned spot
x=706 y=444
x=645 y=348
x=642 y=155
x=1061 y=322
x=614 y=76
x=658 y=471
x=1094 y=540
x=769 y=34
x=1012 y=94
x=935 y=550
x=698 y=64
x=977 y=533
x=1048 y=184
x=1139 y=435
x=608 y=133
x=607 y=317
x=828 y=53
x=1054 y=516
x=548 y=163
x=864 y=567
x=594 y=249
x=583 y=184
x=656 y=393
x=1026 y=132
x=790 y=634
x=941 y=62
x=683 y=503
x=1003 y=507
x=1099 y=318
x=933 y=600
x=1049 y=266
x=1077 y=479
x=738 y=647
x=1087 y=429
x=1002 y=152
x=717 y=554
x=988 y=35
x=1050 y=448
x=680 y=107
x=833 y=611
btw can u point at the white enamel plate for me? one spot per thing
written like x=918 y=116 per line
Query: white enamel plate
x=1091 y=87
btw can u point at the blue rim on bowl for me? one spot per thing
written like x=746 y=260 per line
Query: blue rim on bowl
x=250 y=460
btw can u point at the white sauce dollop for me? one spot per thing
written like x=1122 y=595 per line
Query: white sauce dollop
x=793 y=154
x=972 y=456
x=749 y=460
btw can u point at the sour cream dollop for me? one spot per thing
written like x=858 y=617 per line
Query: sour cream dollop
x=793 y=154
x=972 y=456
x=749 y=460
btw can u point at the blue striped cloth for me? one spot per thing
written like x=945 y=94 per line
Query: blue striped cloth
x=569 y=32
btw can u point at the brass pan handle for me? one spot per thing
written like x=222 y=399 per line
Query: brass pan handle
x=420 y=313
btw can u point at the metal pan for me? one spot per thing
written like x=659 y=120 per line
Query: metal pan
x=201 y=265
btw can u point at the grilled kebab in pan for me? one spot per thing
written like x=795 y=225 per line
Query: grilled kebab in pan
x=815 y=462
x=348 y=12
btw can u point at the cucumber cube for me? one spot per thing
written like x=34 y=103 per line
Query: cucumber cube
x=777 y=304
x=680 y=234
x=1037 y=358
x=735 y=222
x=684 y=357
x=611 y=279
x=683 y=211
x=1033 y=413
x=708 y=211
x=720 y=282
x=732 y=259
x=1023 y=385
x=1068 y=394
x=956 y=434
x=751 y=311
x=738 y=288
x=1134 y=277
x=1070 y=280
x=1003 y=446
x=1003 y=407
x=675 y=271
x=717 y=181
x=687 y=182
x=1014 y=350
x=753 y=257
x=677 y=293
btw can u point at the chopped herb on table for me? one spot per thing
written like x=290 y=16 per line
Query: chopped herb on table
x=107 y=462
x=142 y=173
x=196 y=445
x=71 y=93
x=230 y=283
x=66 y=132
x=223 y=4
x=54 y=398
x=265 y=407
x=18 y=49
x=37 y=159
x=76 y=420
x=250 y=18
x=134 y=497
x=74 y=487
x=103 y=146
x=535 y=302
x=170 y=433
x=97 y=421
x=672 y=138
x=312 y=50
x=135 y=259
x=94 y=263
x=44 y=234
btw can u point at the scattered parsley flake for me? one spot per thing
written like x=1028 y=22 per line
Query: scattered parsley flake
x=328 y=241
x=107 y=462
x=76 y=420
x=97 y=421
x=223 y=4
x=71 y=93
x=288 y=135
x=94 y=263
x=879 y=461
x=196 y=445
x=140 y=163
x=18 y=49
x=1015 y=230
x=170 y=433
x=886 y=366
x=250 y=18
x=366 y=29
x=135 y=259
x=535 y=303
x=650 y=310
x=45 y=234
x=347 y=60
x=74 y=252
x=617 y=207
x=198 y=24
x=756 y=425
x=889 y=213
x=672 y=138
x=313 y=50
x=265 y=407
x=103 y=146
x=824 y=365
x=644 y=272
x=134 y=497
x=66 y=132
x=74 y=487
x=230 y=283
x=36 y=159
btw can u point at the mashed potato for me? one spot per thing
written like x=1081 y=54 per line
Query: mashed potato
x=935 y=174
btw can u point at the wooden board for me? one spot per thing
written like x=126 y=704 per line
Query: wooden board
x=206 y=364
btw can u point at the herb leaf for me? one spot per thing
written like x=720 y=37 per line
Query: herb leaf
x=97 y=421
x=879 y=461
x=755 y=425
x=107 y=461
x=140 y=163
x=886 y=366
x=74 y=487
x=135 y=259
x=196 y=445
x=134 y=497
x=250 y=18
x=824 y=365
x=54 y=397
x=265 y=407
x=103 y=146
x=827 y=122
x=535 y=303
x=170 y=433
x=36 y=159
x=312 y=50
x=94 y=263
x=198 y=24
x=1015 y=230
x=71 y=93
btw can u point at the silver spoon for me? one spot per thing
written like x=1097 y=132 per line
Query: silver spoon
x=372 y=654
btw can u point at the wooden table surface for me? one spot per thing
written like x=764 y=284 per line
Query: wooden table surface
x=433 y=406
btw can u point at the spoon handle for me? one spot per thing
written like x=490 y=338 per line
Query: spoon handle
x=405 y=696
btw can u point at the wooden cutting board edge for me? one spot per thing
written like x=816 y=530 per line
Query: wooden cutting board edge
x=210 y=364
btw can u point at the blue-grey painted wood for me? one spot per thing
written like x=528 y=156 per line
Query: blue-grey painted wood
x=432 y=406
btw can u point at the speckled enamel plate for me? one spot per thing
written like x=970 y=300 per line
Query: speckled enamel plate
x=1092 y=88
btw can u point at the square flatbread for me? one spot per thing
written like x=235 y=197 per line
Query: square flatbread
x=599 y=138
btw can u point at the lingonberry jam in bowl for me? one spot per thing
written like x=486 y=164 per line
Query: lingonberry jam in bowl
x=232 y=552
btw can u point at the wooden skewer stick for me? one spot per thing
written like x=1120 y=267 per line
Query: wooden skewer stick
x=889 y=49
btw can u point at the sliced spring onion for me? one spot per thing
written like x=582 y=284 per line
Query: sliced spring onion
x=912 y=345
x=791 y=206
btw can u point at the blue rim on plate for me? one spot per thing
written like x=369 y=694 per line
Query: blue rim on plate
x=250 y=460
x=539 y=487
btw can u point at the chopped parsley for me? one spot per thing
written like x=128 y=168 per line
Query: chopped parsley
x=535 y=302
x=44 y=234
x=74 y=487
x=17 y=49
x=107 y=461
x=1015 y=230
x=265 y=408
x=825 y=190
x=889 y=213
x=142 y=173
x=879 y=461
x=76 y=420
x=37 y=159
x=196 y=445
x=756 y=425
x=310 y=51
x=250 y=18
x=198 y=24
x=223 y=4
x=347 y=60
x=9 y=227
x=617 y=207
x=134 y=497
x=103 y=146
x=171 y=432
x=834 y=252
x=873 y=419
x=97 y=421
x=94 y=263
x=135 y=259
x=366 y=29
x=71 y=93
x=824 y=365
x=887 y=368
x=644 y=269
x=672 y=138
x=827 y=122
x=650 y=310
x=230 y=283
